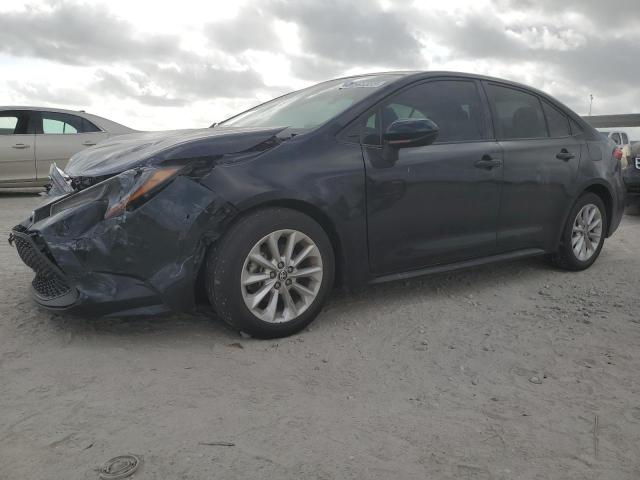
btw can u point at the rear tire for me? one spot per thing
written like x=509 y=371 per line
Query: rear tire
x=271 y=273
x=583 y=235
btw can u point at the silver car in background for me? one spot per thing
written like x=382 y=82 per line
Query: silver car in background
x=33 y=138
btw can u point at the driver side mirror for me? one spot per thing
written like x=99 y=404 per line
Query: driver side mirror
x=411 y=133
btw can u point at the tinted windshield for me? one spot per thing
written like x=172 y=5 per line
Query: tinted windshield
x=312 y=106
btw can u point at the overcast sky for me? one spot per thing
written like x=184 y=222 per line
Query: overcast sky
x=157 y=65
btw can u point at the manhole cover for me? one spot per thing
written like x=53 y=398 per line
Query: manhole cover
x=119 y=467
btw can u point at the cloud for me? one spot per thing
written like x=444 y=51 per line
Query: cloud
x=477 y=37
x=158 y=71
x=39 y=92
x=355 y=32
x=130 y=87
x=309 y=67
x=609 y=13
x=572 y=54
x=334 y=35
x=155 y=85
x=79 y=34
x=221 y=56
x=252 y=29
x=205 y=80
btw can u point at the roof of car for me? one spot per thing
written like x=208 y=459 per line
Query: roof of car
x=104 y=123
x=433 y=73
x=39 y=109
x=412 y=75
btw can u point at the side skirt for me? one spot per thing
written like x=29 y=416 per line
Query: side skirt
x=529 y=252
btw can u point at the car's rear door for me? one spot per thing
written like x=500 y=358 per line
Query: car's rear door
x=541 y=159
x=61 y=135
x=17 y=148
x=439 y=203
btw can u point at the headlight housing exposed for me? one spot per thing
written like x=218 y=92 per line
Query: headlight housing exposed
x=125 y=191
x=144 y=185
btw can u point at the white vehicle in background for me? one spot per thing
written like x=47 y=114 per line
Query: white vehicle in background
x=621 y=139
x=33 y=138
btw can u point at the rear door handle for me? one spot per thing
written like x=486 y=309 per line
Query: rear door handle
x=565 y=154
x=20 y=145
x=88 y=143
x=488 y=163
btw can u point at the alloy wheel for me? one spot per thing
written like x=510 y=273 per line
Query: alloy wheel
x=587 y=232
x=281 y=276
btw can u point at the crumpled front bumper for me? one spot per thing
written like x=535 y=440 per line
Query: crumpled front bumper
x=49 y=286
x=145 y=261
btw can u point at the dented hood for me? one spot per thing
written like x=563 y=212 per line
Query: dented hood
x=133 y=150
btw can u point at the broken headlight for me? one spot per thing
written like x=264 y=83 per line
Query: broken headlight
x=123 y=192
x=146 y=182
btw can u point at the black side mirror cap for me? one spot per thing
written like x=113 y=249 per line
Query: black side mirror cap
x=411 y=133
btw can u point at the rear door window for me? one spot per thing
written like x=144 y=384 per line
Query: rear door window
x=625 y=139
x=557 y=121
x=616 y=138
x=55 y=123
x=518 y=113
x=54 y=126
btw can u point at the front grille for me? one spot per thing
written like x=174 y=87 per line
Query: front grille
x=49 y=281
x=50 y=286
x=638 y=163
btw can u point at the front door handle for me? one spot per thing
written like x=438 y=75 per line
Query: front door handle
x=20 y=145
x=565 y=155
x=88 y=143
x=488 y=163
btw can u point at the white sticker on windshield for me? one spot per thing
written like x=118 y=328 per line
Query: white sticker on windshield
x=363 y=83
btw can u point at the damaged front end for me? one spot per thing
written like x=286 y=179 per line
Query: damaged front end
x=110 y=249
x=126 y=243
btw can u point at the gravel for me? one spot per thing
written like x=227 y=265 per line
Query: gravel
x=352 y=397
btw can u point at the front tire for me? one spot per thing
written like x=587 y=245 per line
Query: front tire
x=270 y=275
x=583 y=235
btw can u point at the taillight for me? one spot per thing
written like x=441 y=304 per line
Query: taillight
x=617 y=153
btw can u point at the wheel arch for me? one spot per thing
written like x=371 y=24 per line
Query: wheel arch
x=600 y=189
x=301 y=206
x=605 y=194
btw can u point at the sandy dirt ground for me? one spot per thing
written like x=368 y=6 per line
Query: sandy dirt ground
x=511 y=371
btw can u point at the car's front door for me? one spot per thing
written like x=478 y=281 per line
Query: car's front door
x=439 y=203
x=17 y=147
x=60 y=136
x=541 y=158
